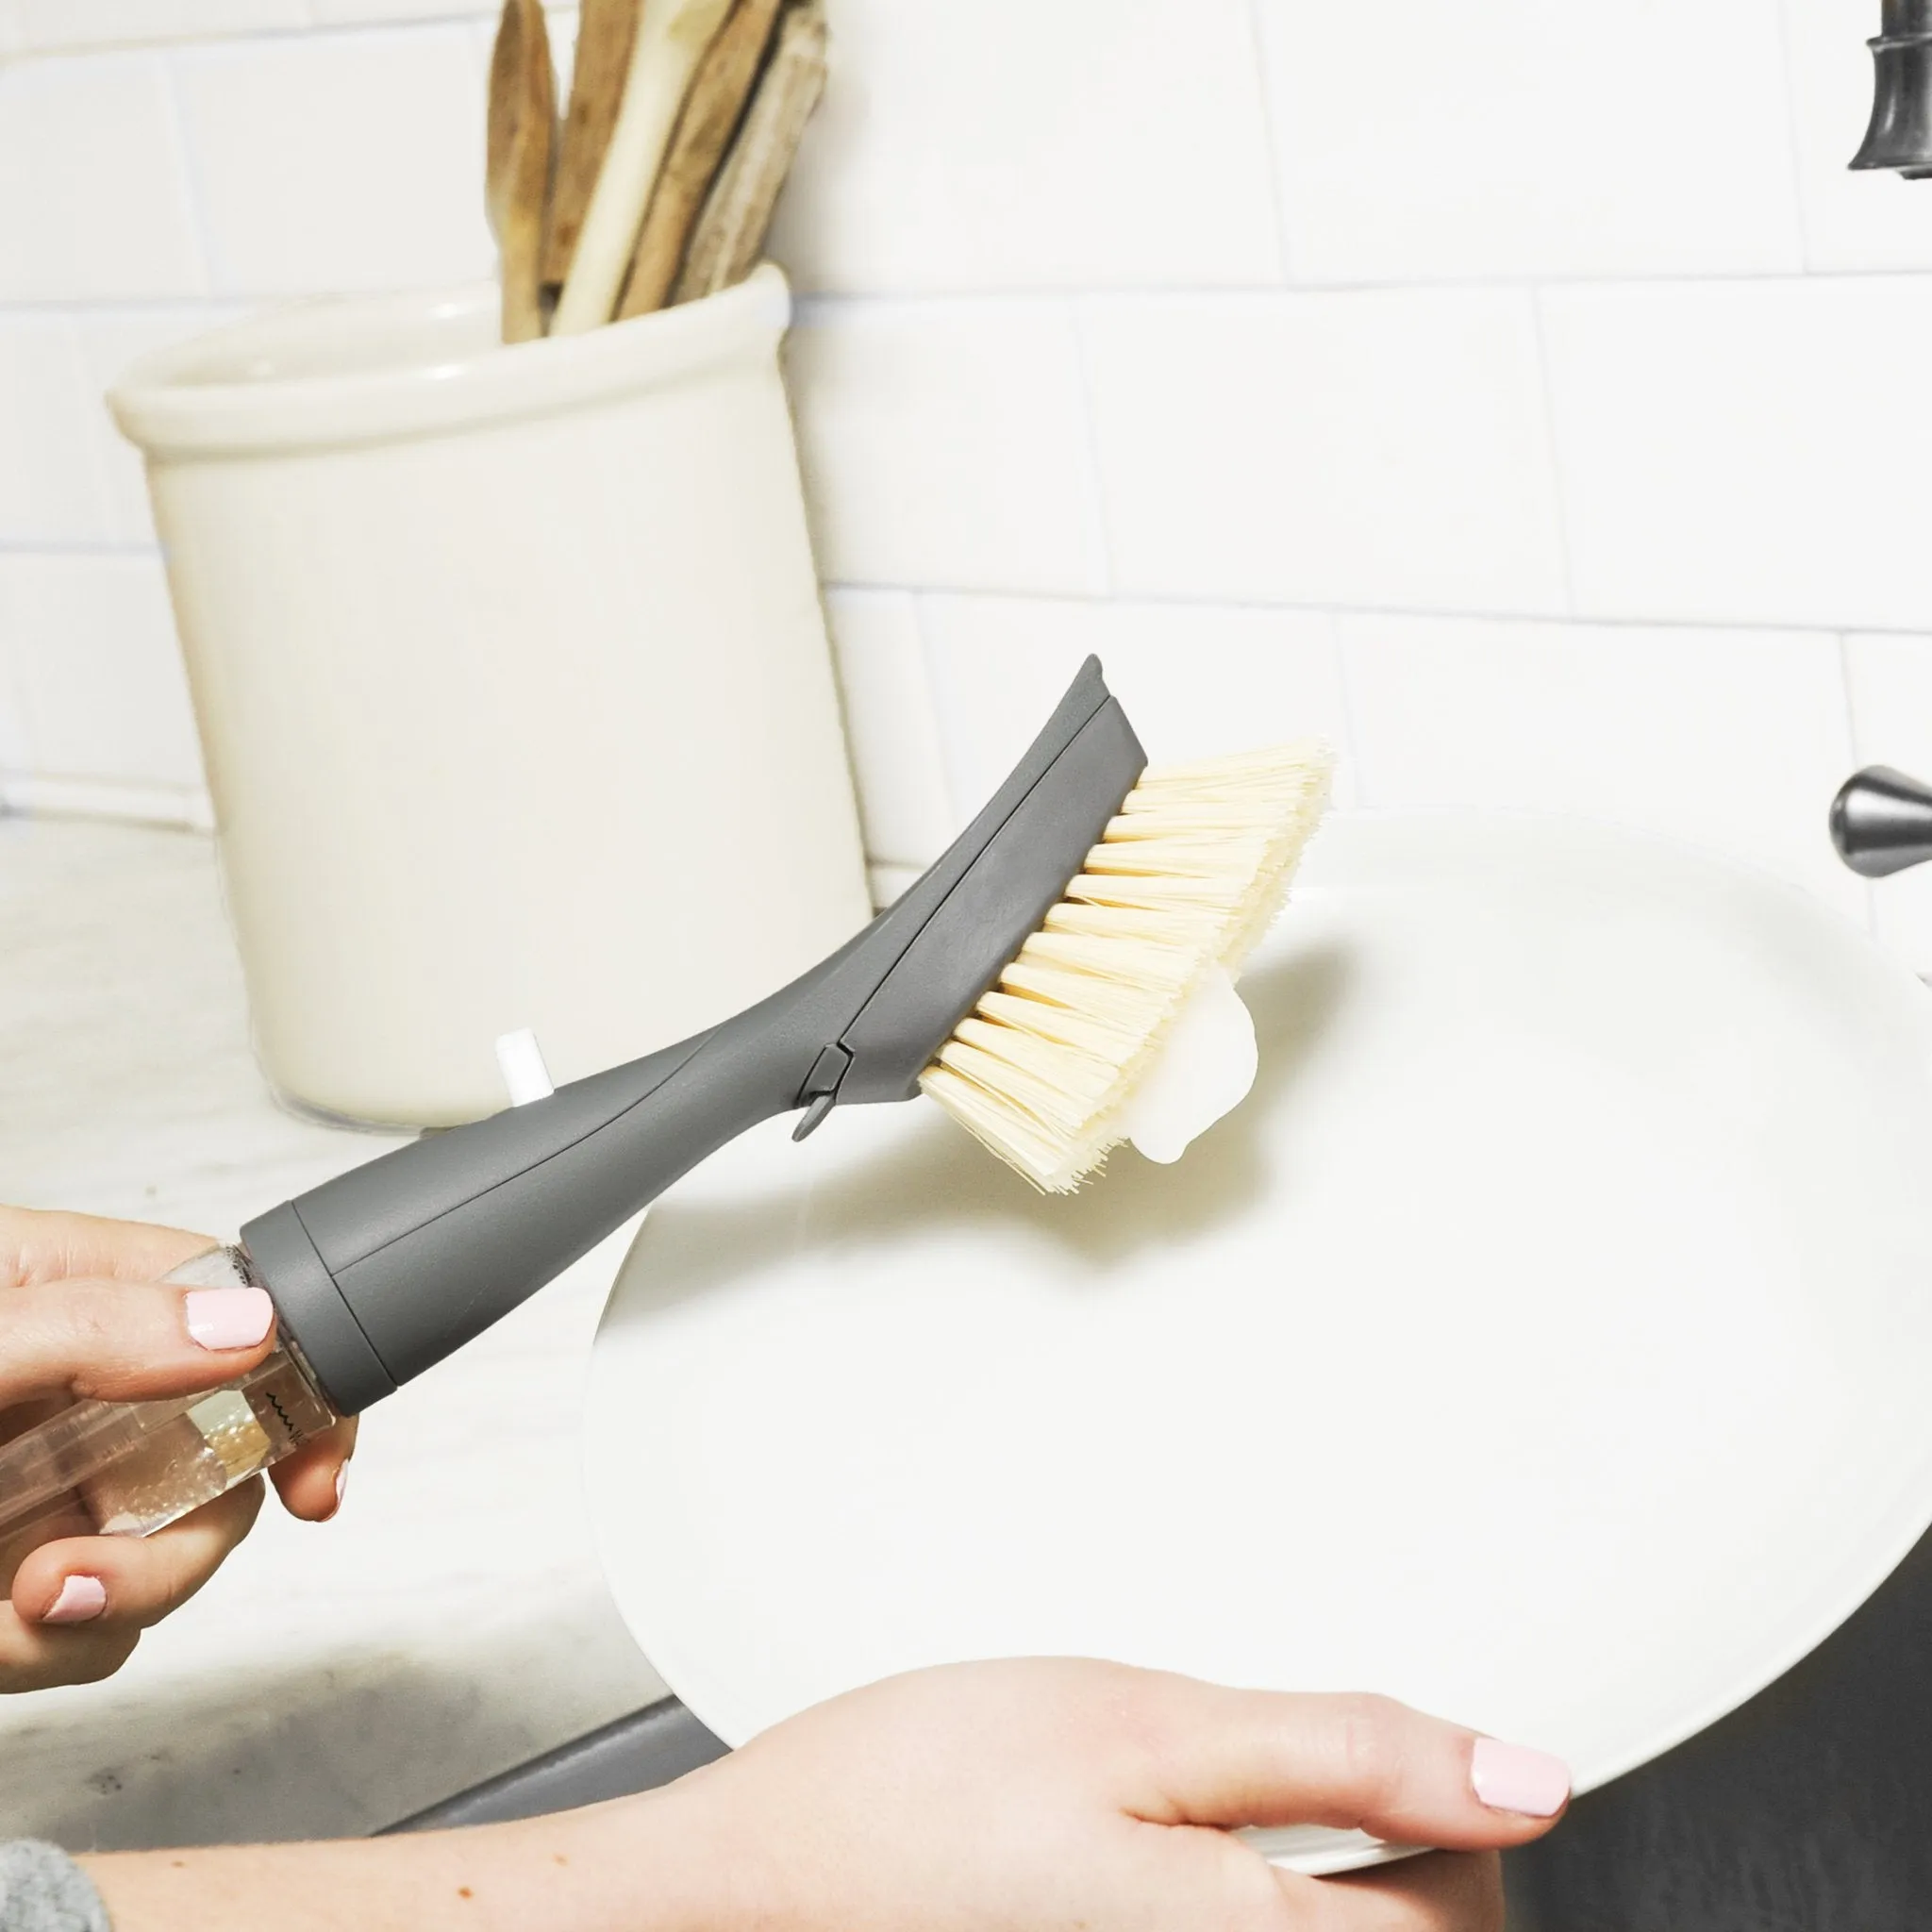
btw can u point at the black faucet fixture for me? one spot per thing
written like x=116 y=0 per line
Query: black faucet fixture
x=1900 y=136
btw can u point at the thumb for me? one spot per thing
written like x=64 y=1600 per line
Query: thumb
x=128 y=1342
x=1235 y=1758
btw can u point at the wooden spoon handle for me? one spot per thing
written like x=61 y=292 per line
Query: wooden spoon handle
x=521 y=142
x=730 y=233
x=606 y=31
x=712 y=111
x=671 y=40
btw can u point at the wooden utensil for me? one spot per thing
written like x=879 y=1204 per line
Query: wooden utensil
x=605 y=33
x=671 y=40
x=730 y=233
x=712 y=111
x=522 y=140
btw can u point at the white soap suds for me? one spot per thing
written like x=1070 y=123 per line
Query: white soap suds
x=1205 y=1068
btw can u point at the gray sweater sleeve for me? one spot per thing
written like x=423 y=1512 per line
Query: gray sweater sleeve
x=42 y=1889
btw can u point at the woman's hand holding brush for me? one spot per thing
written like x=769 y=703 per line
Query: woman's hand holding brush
x=84 y=1313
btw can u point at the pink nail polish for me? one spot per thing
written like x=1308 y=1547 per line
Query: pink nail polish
x=1512 y=1778
x=82 y=1598
x=222 y=1318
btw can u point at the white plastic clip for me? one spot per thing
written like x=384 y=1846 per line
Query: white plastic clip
x=524 y=1075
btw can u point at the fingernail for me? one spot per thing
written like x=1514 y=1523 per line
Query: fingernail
x=80 y=1598
x=341 y=1483
x=1512 y=1778
x=228 y=1317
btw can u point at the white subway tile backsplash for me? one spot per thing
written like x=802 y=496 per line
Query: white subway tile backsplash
x=1010 y=144
x=1380 y=448
x=52 y=488
x=93 y=201
x=1072 y=372
x=1891 y=682
x=1516 y=138
x=89 y=642
x=339 y=161
x=1863 y=221
x=945 y=444
x=1735 y=740
x=892 y=732
x=109 y=339
x=1747 y=452
x=1194 y=680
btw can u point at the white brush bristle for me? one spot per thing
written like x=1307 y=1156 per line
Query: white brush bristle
x=1189 y=875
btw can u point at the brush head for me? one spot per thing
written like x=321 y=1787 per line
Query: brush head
x=1188 y=875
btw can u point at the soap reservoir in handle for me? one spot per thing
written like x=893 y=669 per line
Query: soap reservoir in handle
x=139 y=1466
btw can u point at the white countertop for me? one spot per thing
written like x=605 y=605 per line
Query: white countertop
x=453 y=1620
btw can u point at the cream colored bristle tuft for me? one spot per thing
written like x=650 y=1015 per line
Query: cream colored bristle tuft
x=1189 y=873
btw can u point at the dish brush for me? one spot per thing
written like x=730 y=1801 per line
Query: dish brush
x=1188 y=875
x=1025 y=981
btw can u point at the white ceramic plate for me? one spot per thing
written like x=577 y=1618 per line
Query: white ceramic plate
x=1547 y=1342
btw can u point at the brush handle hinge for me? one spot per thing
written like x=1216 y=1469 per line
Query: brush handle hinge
x=820 y=1094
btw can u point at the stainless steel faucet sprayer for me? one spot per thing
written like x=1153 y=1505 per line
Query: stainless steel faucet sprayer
x=1881 y=821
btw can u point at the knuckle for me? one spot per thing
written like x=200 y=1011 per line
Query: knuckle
x=91 y=1328
x=95 y=1327
x=1368 y=1739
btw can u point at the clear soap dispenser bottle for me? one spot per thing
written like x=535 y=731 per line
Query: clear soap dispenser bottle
x=139 y=1466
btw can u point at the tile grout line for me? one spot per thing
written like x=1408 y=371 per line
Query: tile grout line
x=1850 y=714
x=308 y=29
x=194 y=199
x=1778 y=626
x=1099 y=524
x=16 y=720
x=810 y=305
x=1559 y=488
x=80 y=309
x=1182 y=293
x=1350 y=718
x=1794 y=160
x=917 y=599
x=30 y=547
x=1264 y=95
x=106 y=514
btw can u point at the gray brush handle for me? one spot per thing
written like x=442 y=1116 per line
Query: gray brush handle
x=383 y=1271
